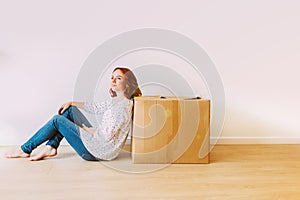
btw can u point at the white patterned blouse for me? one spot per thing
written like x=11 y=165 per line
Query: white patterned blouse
x=107 y=141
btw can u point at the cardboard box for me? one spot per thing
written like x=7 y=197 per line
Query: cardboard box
x=170 y=130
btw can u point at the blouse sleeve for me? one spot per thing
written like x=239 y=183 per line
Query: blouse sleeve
x=97 y=107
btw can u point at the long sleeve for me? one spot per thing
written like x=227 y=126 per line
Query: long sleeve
x=97 y=107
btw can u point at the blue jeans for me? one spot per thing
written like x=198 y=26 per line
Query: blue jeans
x=59 y=127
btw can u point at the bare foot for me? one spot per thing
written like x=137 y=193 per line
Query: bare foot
x=16 y=153
x=48 y=151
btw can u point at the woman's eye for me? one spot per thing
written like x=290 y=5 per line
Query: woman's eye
x=119 y=78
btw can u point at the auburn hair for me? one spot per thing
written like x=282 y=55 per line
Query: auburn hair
x=131 y=86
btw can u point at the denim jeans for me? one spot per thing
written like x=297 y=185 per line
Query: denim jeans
x=59 y=127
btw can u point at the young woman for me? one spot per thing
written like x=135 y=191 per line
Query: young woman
x=91 y=143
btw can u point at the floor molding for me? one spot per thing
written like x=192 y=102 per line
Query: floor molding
x=256 y=140
x=236 y=140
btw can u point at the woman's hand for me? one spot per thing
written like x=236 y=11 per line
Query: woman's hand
x=87 y=129
x=64 y=107
x=112 y=92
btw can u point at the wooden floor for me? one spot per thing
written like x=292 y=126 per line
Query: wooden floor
x=235 y=172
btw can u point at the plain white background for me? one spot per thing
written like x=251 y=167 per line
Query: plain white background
x=254 y=44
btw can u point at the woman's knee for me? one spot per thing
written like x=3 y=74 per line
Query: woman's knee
x=56 y=119
x=72 y=108
x=69 y=110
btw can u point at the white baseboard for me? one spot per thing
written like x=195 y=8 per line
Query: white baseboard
x=256 y=140
x=233 y=140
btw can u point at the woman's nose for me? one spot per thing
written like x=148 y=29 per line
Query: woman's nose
x=113 y=80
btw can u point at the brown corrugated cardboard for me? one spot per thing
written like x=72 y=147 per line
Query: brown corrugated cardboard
x=170 y=130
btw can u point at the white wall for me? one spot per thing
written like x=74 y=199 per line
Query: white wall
x=254 y=44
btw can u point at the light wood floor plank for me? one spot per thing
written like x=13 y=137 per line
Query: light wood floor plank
x=235 y=172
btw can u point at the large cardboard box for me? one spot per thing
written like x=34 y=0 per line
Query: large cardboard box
x=171 y=130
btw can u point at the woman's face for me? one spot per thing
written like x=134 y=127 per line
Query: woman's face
x=118 y=81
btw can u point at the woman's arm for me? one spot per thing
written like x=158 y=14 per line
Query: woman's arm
x=78 y=104
x=87 y=129
x=97 y=107
x=65 y=106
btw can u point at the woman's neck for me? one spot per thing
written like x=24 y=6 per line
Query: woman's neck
x=120 y=96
